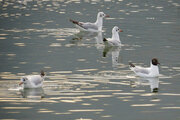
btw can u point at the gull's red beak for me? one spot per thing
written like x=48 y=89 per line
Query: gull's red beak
x=120 y=31
x=20 y=83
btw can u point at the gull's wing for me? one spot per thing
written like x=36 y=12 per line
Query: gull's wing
x=88 y=26
x=141 y=70
x=37 y=82
x=36 y=79
x=113 y=42
x=84 y=25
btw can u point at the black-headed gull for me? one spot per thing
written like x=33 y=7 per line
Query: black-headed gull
x=152 y=71
x=32 y=81
x=92 y=27
x=115 y=40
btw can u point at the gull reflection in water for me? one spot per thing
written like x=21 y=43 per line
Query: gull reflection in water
x=153 y=82
x=24 y=2
x=99 y=41
x=83 y=35
x=33 y=93
x=115 y=50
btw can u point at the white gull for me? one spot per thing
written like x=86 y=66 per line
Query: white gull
x=92 y=27
x=115 y=40
x=32 y=81
x=152 y=71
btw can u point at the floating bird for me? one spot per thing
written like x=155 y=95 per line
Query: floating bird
x=92 y=27
x=32 y=81
x=152 y=71
x=115 y=40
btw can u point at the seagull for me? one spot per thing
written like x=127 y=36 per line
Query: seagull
x=115 y=40
x=32 y=81
x=152 y=71
x=91 y=27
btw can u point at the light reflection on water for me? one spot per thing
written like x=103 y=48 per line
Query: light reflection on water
x=87 y=80
x=66 y=88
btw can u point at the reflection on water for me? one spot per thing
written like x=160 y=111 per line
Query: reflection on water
x=83 y=37
x=152 y=82
x=81 y=84
x=86 y=91
x=99 y=40
x=115 y=54
x=33 y=93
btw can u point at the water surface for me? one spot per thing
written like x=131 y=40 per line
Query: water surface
x=86 y=80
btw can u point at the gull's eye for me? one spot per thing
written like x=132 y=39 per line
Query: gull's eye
x=24 y=79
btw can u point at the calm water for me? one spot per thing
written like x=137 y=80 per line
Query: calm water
x=86 y=80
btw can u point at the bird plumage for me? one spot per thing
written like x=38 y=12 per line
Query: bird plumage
x=115 y=39
x=92 y=27
x=152 y=71
x=32 y=81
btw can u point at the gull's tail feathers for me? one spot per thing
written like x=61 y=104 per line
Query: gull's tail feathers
x=73 y=21
x=131 y=65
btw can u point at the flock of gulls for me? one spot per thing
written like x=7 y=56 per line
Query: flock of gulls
x=36 y=81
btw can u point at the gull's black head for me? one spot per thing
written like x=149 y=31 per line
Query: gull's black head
x=155 y=61
x=42 y=73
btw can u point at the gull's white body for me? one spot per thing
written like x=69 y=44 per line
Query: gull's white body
x=152 y=71
x=115 y=39
x=32 y=81
x=91 y=27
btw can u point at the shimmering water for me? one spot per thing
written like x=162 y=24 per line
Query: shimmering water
x=86 y=80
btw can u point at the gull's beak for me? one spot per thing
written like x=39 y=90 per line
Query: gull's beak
x=20 y=83
x=107 y=16
x=120 y=30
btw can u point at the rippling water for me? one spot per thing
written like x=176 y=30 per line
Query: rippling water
x=86 y=80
